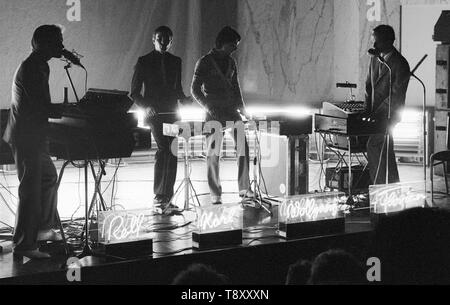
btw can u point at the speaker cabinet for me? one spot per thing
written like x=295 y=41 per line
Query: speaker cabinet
x=284 y=164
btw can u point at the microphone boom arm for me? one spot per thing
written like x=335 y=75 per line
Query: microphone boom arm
x=69 y=65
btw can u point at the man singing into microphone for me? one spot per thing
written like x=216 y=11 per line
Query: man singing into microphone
x=26 y=133
x=160 y=74
x=383 y=94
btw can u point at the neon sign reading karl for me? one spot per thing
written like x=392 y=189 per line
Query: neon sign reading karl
x=220 y=218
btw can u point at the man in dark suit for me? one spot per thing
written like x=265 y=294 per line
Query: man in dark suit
x=385 y=99
x=159 y=72
x=26 y=133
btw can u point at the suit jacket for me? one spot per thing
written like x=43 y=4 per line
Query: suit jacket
x=30 y=103
x=162 y=86
x=215 y=90
x=378 y=84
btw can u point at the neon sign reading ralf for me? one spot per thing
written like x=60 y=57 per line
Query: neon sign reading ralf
x=121 y=226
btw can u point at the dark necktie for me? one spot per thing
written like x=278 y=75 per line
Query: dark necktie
x=163 y=69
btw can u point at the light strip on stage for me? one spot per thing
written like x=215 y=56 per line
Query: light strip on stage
x=192 y=114
x=198 y=114
x=291 y=111
x=140 y=114
x=410 y=126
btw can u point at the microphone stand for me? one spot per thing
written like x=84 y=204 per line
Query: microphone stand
x=87 y=251
x=387 y=138
x=424 y=121
x=67 y=67
x=389 y=119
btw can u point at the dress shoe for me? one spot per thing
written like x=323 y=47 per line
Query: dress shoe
x=49 y=235
x=160 y=200
x=247 y=194
x=170 y=209
x=31 y=254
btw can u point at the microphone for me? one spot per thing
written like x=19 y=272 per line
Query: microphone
x=376 y=53
x=72 y=58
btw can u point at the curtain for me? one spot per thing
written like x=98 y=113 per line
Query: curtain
x=111 y=36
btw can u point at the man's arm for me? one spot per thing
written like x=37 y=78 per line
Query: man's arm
x=136 y=89
x=178 y=86
x=36 y=88
x=368 y=95
x=400 y=86
x=197 y=83
x=136 y=85
x=237 y=89
x=400 y=78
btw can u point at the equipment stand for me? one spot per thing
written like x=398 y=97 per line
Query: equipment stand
x=186 y=184
x=88 y=209
x=346 y=153
x=259 y=200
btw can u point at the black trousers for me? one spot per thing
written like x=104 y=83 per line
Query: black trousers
x=376 y=153
x=37 y=205
x=166 y=161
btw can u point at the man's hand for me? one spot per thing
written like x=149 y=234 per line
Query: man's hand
x=150 y=112
x=55 y=111
x=244 y=113
x=186 y=100
x=211 y=112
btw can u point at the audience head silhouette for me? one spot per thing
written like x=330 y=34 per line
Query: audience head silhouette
x=336 y=267
x=200 y=274
x=299 y=273
x=414 y=247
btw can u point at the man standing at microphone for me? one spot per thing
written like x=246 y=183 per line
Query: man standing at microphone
x=159 y=72
x=385 y=98
x=26 y=133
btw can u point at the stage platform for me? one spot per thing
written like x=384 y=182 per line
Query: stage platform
x=262 y=259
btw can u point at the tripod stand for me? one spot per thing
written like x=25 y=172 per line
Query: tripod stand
x=87 y=251
x=259 y=200
x=186 y=184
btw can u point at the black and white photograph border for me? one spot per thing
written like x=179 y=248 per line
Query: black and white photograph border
x=224 y=142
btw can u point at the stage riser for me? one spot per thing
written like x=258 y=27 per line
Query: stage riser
x=257 y=265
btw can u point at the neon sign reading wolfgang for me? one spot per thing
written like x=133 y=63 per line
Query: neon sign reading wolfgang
x=310 y=208
x=394 y=198
x=115 y=226
x=219 y=218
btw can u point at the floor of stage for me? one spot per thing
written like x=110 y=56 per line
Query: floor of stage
x=132 y=189
x=261 y=247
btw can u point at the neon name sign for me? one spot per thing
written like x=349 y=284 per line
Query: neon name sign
x=219 y=218
x=395 y=198
x=309 y=208
x=120 y=226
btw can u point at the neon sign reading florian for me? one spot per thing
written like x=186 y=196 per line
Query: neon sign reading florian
x=219 y=218
x=395 y=197
x=121 y=226
x=310 y=208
